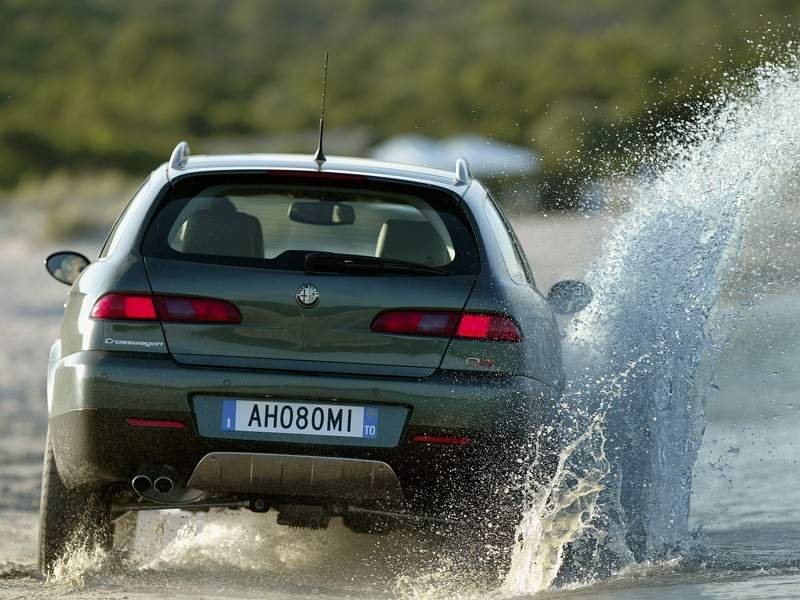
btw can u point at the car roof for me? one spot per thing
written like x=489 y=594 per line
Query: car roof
x=196 y=164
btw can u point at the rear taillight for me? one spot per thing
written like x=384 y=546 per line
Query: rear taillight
x=156 y=423
x=440 y=323
x=442 y=439
x=125 y=307
x=488 y=327
x=317 y=175
x=170 y=309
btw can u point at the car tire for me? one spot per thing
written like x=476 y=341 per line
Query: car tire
x=366 y=523
x=79 y=518
x=488 y=512
x=489 y=544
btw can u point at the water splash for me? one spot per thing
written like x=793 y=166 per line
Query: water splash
x=79 y=562
x=559 y=511
x=640 y=360
x=642 y=353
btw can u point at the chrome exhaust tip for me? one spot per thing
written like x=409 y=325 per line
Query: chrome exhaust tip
x=163 y=485
x=141 y=484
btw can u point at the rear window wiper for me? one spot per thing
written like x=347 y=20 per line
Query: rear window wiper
x=316 y=262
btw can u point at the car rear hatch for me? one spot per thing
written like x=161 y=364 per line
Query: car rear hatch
x=310 y=262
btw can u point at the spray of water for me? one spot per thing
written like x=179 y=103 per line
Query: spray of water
x=639 y=361
x=79 y=562
x=641 y=354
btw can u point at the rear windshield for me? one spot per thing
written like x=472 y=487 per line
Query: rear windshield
x=274 y=222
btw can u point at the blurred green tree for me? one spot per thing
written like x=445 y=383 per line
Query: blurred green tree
x=97 y=83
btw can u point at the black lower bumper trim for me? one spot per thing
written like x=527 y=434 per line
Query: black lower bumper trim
x=99 y=448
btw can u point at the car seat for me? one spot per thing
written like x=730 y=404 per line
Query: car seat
x=219 y=229
x=412 y=241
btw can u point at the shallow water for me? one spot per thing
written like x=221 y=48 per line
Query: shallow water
x=745 y=500
x=687 y=485
x=671 y=294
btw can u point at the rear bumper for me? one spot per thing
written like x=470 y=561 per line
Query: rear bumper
x=94 y=393
x=297 y=475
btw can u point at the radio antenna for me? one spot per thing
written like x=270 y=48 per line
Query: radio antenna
x=319 y=156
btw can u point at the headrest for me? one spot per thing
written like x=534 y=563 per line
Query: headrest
x=414 y=241
x=222 y=231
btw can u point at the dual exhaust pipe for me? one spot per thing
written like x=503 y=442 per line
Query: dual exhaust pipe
x=145 y=486
x=156 y=485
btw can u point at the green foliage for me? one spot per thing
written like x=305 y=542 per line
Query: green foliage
x=97 y=83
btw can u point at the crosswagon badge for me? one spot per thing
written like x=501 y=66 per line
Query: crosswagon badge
x=307 y=295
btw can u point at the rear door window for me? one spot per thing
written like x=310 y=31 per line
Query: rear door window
x=257 y=221
x=510 y=247
x=113 y=237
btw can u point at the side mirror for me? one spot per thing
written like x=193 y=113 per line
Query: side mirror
x=66 y=266
x=568 y=297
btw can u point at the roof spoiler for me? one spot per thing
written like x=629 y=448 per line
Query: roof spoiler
x=179 y=156
x=463 y=176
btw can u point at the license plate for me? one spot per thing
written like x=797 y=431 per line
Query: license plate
x=269 y=416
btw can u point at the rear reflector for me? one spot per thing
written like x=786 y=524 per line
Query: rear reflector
x=416 y=322
x=170 y=309
x=175 y=309
x=441 y=439
x=125 y=307
x=442 y=323
x=158 y=423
